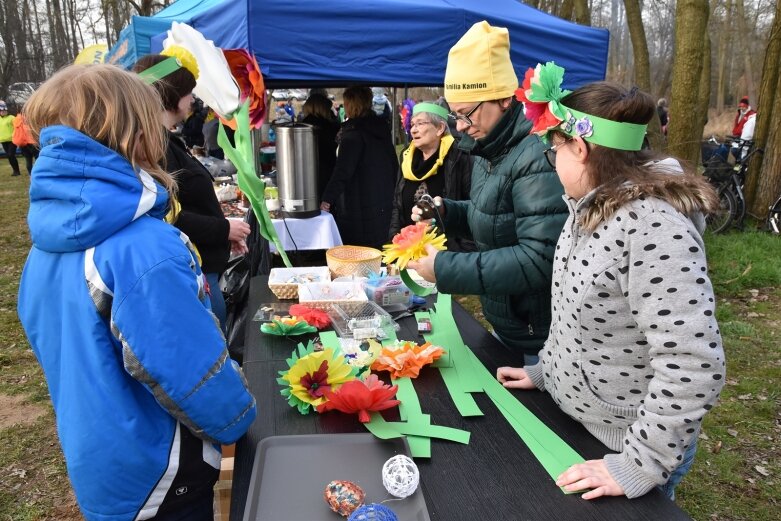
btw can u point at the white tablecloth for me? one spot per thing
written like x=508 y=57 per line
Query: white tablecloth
x=315 y=233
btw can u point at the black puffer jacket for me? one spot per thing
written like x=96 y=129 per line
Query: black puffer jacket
x=360 y=191
x=201 y=217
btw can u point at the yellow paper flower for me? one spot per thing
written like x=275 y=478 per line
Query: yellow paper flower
x=310 y=376
x=410 y=244
x=184 y=56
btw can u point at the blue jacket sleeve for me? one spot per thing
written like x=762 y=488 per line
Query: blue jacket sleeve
x=172 y=345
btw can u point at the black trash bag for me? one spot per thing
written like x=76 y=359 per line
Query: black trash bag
x=234 y=284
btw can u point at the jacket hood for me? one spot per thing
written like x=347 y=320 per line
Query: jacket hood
x=689 y=194
x=83 y=192
x=371 y=124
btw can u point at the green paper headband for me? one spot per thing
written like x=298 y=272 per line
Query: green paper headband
x=160 y=70
x=431 y=108
x=601 y=131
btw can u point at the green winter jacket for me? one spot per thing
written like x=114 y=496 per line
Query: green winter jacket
x=514 y=215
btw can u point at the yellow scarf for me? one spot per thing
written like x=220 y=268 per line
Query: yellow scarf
x=406 y=159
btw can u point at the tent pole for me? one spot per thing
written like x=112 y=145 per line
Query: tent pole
x=406 y=96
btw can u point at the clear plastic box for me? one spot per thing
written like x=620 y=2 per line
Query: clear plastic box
x=360 y=320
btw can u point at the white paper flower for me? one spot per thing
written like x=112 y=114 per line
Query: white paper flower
x=215 y=84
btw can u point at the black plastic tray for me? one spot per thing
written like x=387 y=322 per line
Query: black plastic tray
x=291 y=472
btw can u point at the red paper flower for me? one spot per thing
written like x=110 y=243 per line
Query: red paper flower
x=246 y=72
x=313 y=317
x=362 y=397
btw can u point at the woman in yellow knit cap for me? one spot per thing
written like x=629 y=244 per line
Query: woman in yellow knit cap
x=516 y=210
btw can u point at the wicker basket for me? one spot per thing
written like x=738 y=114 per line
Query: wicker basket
x=360 y=261
x=283 y=290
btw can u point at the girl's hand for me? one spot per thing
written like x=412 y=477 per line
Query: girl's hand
x=425 y=265
x=514 y=378
x=592 y=474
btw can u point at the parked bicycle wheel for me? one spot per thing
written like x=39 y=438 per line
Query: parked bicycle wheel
x=723 y=217
x=740 y=206
x=774 y=217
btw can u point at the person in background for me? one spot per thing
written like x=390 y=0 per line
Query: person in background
x=381 y=105
x=744 y=113
x=201 y=216
x=664 y=114
x=432 y=165
x=112 y=301
x=289 y=109
x=634 y=351
x=192 y=129
x=515 y=211
x=6 y=137
x=25 y=142
x=317 y=112
x=360 y=192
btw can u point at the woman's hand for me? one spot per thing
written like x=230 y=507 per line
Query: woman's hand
x=239 y=247
x=238 y=230
x=592 y=474
x=325 y=206
x=425 y=212
x=514 y=378
x=425 y=265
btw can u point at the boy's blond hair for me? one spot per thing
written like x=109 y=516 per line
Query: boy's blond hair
x=112 y=106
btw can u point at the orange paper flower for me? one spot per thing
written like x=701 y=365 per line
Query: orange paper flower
x=362 y=397
x=246 y=72
x=406 y=358
x=410 y=244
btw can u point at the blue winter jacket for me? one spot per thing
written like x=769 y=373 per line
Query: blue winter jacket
x=113 y=304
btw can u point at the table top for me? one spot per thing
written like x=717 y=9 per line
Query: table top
x=494 y=477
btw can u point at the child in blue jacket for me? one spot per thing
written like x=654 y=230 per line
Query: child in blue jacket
x=112 y=300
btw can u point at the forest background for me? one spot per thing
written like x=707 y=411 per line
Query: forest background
x=700 y=55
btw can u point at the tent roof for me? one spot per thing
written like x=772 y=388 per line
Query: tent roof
x=390 y=42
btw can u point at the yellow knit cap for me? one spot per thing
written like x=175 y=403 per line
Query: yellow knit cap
x=479 y=66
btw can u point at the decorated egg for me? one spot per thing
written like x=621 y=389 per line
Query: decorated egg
x=343 y=497
x=373 y=512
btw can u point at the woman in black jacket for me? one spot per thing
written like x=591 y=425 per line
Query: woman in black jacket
x=431 y=165
x=200 y=215
x=317 y=111
x=360 y=192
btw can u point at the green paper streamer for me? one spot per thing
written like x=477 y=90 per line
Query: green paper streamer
x=410 y=411
x=445 y=331
x=160 y=70
x=416 y=288
x=330 y=339
x=250 y=184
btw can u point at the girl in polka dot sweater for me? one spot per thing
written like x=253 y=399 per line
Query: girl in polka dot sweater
x=634 y=351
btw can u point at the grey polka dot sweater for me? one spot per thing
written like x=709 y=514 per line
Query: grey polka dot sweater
x=634 y=351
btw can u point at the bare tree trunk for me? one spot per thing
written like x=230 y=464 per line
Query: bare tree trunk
x=565 y=10
x=745 y=48
x=764 y=178
x=685 y=132
x=582 y=12
x=724 y=39
x=701 y=112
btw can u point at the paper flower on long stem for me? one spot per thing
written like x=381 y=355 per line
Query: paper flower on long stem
x=246 y=72
x=541 y=94
x=410 y=244
x=314 y=317
x=362 y=397
x=406 y=358
x=217 y=89
x=311 y=374
x=287 y=326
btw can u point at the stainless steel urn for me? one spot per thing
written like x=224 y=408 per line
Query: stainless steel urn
x=297 y=170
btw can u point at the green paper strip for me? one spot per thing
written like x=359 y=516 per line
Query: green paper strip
x=160 y=70
x=409 y=410
x=433 y=431
x=444 y=327
x=384 y=431
x=553 y=453
x=464 y=402
x=250 y=184
x=416 y=288
x=330 y=339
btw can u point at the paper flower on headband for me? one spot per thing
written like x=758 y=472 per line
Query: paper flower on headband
x=361 y=397
x=410 y=244
x=311 y=375
x=216 y=88
x=406 y=358
x=313 y=317
x=287 y=326
x=541 y=93
x=246 y=72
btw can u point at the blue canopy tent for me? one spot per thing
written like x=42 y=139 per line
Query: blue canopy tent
x=135 y=40
x=390 y=42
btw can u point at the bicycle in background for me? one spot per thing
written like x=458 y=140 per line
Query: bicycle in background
x=773 y=222
x=728 y=179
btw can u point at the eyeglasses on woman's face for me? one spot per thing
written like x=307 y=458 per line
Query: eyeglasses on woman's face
x=464 y=118
x=421 y=123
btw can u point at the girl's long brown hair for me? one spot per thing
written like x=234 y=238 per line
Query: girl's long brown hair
x=114 y=107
